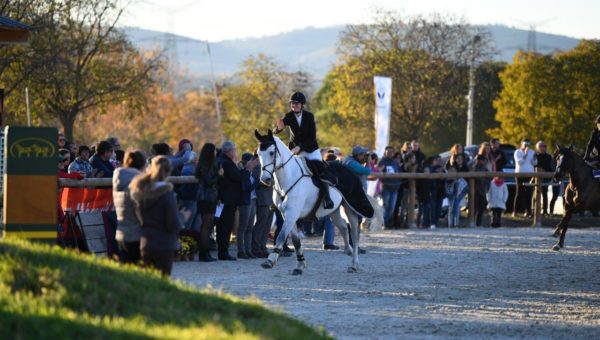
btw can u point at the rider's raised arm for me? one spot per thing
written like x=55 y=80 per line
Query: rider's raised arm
x=590 y=145
x=280 y=125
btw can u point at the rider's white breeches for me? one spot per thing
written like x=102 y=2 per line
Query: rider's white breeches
x=313 y=156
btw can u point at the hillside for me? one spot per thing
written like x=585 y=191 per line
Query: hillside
x=50 y=293
x=311 y=49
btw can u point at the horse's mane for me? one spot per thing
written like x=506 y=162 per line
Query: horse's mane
x=281 y=145
x=578 y=157
x=571 y=152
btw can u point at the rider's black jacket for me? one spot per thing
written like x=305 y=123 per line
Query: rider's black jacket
x=593 y=143
x=304 y=135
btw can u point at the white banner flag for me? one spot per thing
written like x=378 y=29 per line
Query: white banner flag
x=383 y=109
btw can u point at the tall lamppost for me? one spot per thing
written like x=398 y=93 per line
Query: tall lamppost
x=471 y=95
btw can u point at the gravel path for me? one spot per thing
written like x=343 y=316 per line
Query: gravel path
x=467 y=283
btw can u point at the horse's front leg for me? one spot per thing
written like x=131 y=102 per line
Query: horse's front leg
x=339 y=222
x=290 y=216
x=559 y=226
x=564 y=225
x=300 y=262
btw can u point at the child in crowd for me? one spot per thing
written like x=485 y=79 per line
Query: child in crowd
x=496 y=197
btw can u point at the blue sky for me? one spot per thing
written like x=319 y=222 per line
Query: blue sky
x=217 y=20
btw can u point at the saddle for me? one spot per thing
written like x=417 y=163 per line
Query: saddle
x=346 y=181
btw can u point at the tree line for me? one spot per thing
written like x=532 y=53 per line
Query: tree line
x=86 y=77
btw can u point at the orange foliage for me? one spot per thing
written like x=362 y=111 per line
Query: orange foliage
x=169 y=117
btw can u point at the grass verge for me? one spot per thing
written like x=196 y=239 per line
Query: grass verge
x=50 y=293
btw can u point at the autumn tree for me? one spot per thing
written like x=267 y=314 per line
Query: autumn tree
x=427 y=58
x=168 y=116
x=550 y=97
x=37 y=14
x=257 y=96
x=83 y=63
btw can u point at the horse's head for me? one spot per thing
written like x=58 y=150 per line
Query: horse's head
x=267 y=154
x=564 y=161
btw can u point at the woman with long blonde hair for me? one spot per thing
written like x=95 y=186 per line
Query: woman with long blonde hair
x=485 y=149
x=156 y=207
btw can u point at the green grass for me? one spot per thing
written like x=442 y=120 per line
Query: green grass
x=51 y=293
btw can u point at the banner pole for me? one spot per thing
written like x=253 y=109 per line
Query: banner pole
x=27 y=105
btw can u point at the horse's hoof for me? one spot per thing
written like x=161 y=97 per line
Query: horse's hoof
x=556 y=247
x=268 y=264
x=352 y=270
x=297 y=271
x=349 y=253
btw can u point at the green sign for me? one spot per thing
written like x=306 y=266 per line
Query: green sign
x=31 y=151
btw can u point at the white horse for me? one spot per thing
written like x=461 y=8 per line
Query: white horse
x=295 y=195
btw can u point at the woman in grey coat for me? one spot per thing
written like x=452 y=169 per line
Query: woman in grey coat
x=128 y=226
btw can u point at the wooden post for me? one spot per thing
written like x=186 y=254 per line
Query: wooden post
x=537 y=194
x=471 y=202
x=412 y=193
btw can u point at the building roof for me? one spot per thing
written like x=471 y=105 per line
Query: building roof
x=10 y=23
x=12 y=31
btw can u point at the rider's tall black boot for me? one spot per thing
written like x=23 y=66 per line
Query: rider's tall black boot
x=327 y=202
x=318 y=168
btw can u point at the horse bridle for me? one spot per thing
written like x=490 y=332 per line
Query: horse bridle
x=276 y=167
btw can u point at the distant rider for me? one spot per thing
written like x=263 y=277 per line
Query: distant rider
x=594 y=143
x=303 y=140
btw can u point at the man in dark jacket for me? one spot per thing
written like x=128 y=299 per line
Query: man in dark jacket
x=416 y=148
x=498 y=154
x=389 y=186
x=544 y=164
x=594 y=143
x=101 y=160
x=230 y=195
x=264 y=219
x=303 y=140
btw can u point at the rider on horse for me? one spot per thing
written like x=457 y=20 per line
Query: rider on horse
x=594 y=143
x=303 y=140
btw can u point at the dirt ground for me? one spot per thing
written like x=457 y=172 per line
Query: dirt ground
x=466 y=282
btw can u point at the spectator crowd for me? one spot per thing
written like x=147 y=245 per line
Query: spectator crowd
x=229 y=199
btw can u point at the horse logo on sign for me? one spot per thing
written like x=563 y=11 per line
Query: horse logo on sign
x=32 y=147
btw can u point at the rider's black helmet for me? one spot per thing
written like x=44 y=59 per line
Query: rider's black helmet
x=598 y=119
x=298 y=97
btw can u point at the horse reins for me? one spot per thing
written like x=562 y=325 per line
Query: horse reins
x=276 y=167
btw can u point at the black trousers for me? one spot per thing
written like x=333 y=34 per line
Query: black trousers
x=496 y=217
x=129 y=252
x=544 y=199
x=224 y=228
x=480 y=208
x=522 y=196
x=161 y=260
